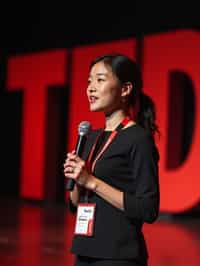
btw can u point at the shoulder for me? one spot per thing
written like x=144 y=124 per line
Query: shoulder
x=135 y=134
x=142 y=142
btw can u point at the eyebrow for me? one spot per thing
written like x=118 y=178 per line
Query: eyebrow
x=100 y=74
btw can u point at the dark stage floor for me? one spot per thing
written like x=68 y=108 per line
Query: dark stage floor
x=33 y=235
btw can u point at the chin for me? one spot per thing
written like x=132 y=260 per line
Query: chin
x=95 y=109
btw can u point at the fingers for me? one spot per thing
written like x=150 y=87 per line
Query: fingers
x=70 y=163
x=73 y=157
x=73 y=165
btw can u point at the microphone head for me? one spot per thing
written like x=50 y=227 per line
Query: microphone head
x=84 y=128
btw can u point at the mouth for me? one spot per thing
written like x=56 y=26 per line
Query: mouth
x=92 y=99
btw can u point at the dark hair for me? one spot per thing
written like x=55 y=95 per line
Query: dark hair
x=126 y=70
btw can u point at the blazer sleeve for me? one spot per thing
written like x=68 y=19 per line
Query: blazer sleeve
x=142 y=203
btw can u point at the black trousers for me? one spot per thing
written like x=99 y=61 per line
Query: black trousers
x=87 y=261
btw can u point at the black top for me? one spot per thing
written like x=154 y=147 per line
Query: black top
x=130 y=164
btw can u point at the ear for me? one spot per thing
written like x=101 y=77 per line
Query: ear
x=126 y=89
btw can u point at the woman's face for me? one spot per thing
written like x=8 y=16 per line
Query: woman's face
x=104 y=89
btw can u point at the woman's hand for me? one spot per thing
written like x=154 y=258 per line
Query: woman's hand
x=75 y=168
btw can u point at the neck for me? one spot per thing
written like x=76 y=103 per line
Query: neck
x=113 y=119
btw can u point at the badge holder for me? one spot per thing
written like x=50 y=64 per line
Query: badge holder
x=85 y=219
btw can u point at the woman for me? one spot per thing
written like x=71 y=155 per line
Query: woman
x=117 y=188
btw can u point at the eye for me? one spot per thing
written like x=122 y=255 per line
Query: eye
x=100 y=80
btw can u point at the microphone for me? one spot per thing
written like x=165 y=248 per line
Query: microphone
x=83 y=129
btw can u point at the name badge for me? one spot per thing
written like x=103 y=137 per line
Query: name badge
x=85 y=219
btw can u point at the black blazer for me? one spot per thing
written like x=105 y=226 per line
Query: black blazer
x=130 y=164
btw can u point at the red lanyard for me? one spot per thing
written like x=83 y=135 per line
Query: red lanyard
x=90 y=164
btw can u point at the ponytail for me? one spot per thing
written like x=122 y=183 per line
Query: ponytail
x=146 y=116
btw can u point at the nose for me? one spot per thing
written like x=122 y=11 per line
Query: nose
x=91 y=88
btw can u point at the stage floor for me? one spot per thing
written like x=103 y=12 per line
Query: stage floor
x=40 y=235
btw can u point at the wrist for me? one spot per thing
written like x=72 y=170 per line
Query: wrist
x=92 y=183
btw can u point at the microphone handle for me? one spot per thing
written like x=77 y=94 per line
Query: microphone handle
x=70 y=184
x=79 y=150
